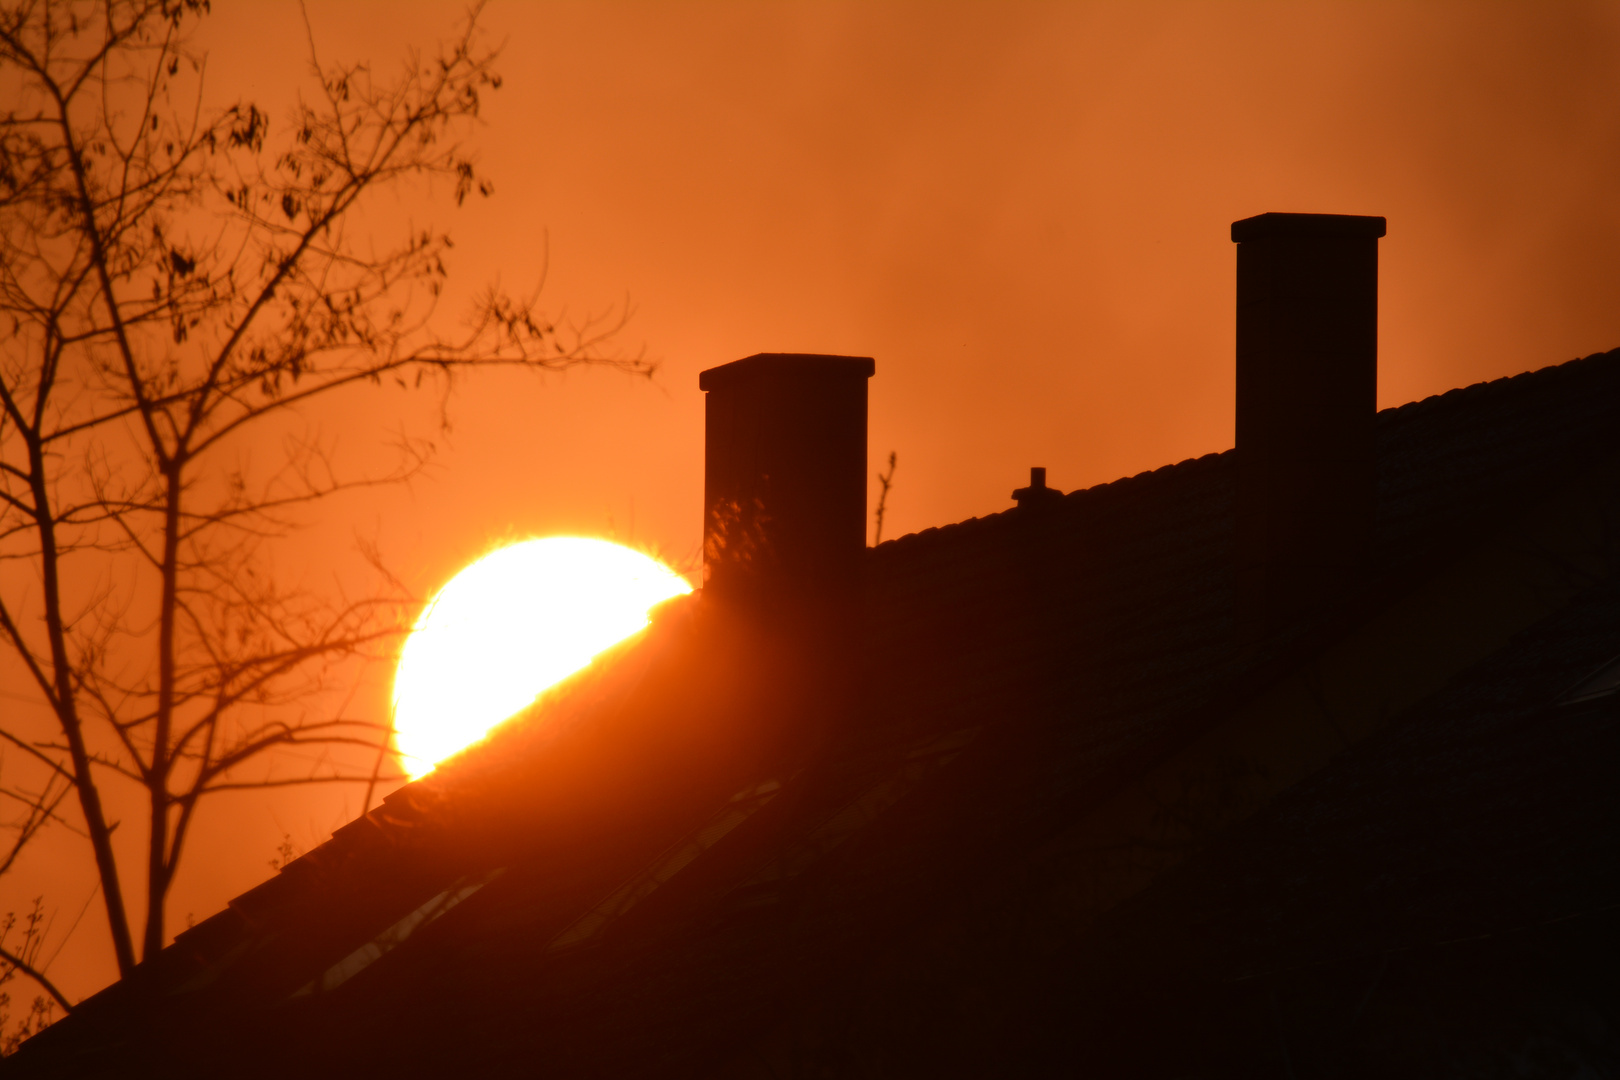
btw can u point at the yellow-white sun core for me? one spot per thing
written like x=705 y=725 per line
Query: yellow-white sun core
x=513 y=623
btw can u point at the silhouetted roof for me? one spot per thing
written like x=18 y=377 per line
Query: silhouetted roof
x=1462 y=867
x=1019 y=668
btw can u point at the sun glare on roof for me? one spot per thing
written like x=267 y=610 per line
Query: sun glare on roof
x=510 y=625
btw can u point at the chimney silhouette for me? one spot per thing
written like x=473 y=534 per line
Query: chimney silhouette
x=1307 y=385
x=785 y=483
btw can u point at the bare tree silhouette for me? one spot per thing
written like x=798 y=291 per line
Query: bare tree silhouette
x=174 y=283
x=886 y=480
x=22 y=958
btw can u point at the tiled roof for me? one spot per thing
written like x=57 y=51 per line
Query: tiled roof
x=1462 y=866
x=1017 y=667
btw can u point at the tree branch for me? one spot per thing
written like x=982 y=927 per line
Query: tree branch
x=38 y=976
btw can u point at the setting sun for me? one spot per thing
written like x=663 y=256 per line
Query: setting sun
x=510 y=625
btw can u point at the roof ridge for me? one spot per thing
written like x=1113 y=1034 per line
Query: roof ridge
x=1069 y=502
x=914 y=541
x=1542 y=374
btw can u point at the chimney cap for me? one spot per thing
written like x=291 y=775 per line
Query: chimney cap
x=752 y=367
x=1262 y=225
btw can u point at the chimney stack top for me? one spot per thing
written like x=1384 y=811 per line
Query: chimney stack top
x=1264 y=225
x=816 y=365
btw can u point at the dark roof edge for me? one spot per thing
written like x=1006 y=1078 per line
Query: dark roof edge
x=1074 y=497
x=1551 y=371
x=1403 y=412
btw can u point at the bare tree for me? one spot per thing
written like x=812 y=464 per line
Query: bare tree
x=175 y=286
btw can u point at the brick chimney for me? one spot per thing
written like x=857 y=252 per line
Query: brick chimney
x=1307 y=383
x=785 y=482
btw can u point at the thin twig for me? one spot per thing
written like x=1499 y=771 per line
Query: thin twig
x=887 y=480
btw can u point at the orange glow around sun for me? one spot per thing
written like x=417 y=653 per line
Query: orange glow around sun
x=507 y=627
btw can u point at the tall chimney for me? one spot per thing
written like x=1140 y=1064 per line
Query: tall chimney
x=785 y=483
x=1307 y=386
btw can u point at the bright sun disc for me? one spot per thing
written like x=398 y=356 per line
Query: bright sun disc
x=513 y=623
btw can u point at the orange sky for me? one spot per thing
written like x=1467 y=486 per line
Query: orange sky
x=1020 y=210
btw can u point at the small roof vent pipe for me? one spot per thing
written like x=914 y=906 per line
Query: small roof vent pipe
x=1307 y=387
x=1037 y=494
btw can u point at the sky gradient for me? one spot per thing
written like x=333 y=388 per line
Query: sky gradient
x=1020 y=210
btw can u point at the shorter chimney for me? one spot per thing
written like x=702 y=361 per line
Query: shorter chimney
x=1307 y=385
x=784 y=495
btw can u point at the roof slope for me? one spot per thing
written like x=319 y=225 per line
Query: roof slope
x=1019 y=668
x=1462 y=864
